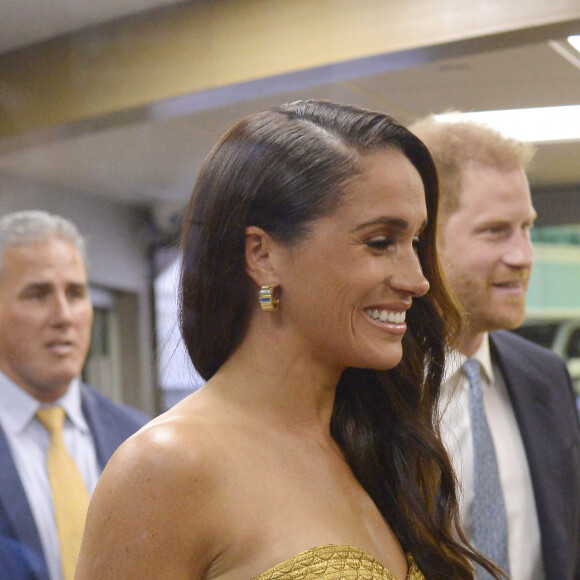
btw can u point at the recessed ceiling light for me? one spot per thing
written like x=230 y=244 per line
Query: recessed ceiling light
x=537 y=125
x=575 y=41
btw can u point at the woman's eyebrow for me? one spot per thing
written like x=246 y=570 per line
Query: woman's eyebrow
x=392 y=222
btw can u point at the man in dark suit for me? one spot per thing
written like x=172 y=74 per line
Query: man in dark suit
x=485 y=214
x=45 y=326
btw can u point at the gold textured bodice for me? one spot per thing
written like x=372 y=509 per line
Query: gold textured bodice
x=333 y=562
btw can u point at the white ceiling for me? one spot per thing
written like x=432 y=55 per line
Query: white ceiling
x=153 y=161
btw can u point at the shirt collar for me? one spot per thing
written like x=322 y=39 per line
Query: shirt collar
x=483 y=355
x=18 y=407
x=455 y=360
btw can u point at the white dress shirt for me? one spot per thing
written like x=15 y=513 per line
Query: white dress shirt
x=524 y=542
x=28 y=440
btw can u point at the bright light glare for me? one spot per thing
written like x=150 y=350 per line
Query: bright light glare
x=536 y=124
x=575 y=41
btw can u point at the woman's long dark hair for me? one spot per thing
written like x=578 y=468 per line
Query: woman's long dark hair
x=281 y=170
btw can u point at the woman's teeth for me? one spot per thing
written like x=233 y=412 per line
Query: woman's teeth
x=386 y=315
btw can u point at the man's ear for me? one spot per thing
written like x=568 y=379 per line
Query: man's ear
x=259 y=252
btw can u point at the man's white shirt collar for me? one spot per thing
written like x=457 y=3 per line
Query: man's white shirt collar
x=18 y=407
x=455 y=360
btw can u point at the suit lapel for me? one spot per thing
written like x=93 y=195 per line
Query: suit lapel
x=100 y=430
x=529 y=391
x=14 y=506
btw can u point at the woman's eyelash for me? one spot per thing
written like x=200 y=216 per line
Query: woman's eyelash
x=385 y=242
x=380 y=243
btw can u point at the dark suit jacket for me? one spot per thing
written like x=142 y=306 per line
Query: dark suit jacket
x=20 y=547
x=544 y=404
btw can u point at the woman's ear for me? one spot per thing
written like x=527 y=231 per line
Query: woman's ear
x=259 y=252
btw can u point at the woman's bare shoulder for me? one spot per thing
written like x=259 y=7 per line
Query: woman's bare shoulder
x=162 y=476
x=168 y=446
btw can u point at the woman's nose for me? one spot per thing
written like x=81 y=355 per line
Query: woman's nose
x=410 y=277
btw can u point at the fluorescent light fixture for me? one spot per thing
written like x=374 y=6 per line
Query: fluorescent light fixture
x=537 y=125
x=575 y=41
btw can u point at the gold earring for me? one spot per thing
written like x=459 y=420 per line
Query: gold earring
x=267 y=301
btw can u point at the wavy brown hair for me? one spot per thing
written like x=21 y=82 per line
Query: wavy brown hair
x=281 y=170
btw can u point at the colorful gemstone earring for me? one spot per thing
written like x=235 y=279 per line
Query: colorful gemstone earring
x=267 y=301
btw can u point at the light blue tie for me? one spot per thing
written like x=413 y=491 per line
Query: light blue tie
x=489 y=514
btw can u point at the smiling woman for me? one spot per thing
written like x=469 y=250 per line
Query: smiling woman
x=308 y=255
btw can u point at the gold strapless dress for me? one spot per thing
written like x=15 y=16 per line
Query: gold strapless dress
x=334 y=562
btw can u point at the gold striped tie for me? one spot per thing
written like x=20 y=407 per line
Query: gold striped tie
x=69 y=492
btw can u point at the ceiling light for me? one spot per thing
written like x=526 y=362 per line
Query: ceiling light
x=537 y=125
x=575 y=41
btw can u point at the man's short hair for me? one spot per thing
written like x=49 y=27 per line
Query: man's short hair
x=23 y=228
x=454 y=144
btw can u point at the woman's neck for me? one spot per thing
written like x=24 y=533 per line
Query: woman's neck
x=269 y=373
